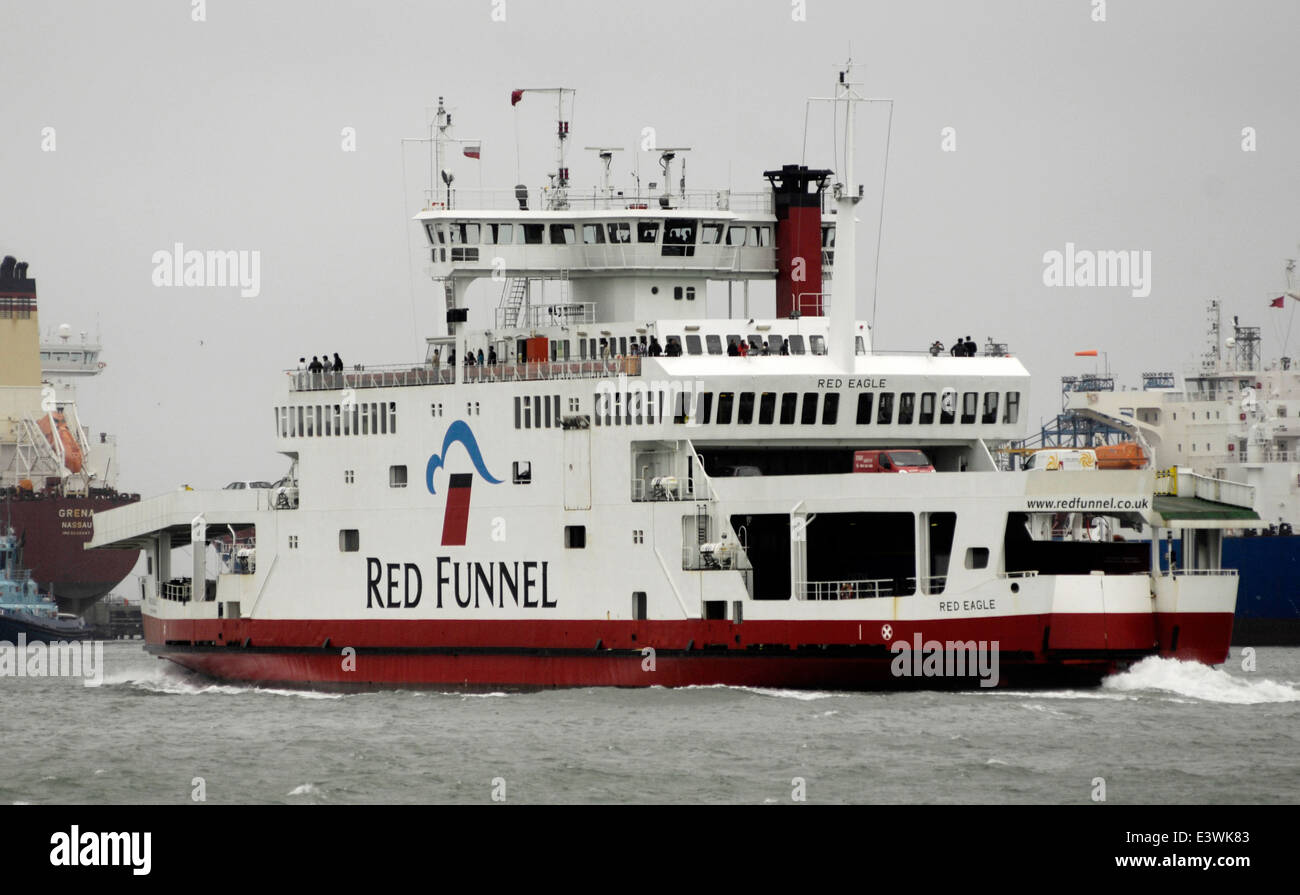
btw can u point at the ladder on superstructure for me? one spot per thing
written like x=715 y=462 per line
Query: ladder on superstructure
x=512 y=302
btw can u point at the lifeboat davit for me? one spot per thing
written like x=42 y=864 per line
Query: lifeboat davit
x=71 y=450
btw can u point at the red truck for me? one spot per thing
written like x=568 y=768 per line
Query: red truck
x=902 y=460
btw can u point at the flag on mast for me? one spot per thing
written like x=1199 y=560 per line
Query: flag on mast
x=515 y=97
x=473 y=150
x=1277 y=302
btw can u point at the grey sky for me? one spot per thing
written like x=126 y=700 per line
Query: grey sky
x=225 y=134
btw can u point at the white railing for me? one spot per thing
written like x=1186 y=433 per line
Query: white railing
x=563 y=314
x=1177 y=573
x=442 y=374
x=859 y=589
x=1175 y=483
x=546 y=199
x=179 y=590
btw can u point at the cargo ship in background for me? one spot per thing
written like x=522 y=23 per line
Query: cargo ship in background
x=55 y=474
x=591 y=481
x=1235 y=418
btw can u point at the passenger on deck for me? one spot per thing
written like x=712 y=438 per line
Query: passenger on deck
x=338 y=363
x=733 y=350
x=785 y=346
x=480 y=357
x=492 y=356
x=971 y=349
x=744 y=348
x=315 y=365
x=655 y=348
x=958 y=348
x=766 y=351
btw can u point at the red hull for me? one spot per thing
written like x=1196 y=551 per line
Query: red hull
x=56 y=528
x=818 y=655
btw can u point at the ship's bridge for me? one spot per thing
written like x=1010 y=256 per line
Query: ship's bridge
x=618 y=257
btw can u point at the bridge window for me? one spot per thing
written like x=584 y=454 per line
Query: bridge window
x=735 y=236
x=990 y=407
x=706 y=407
x=563 y=235
x=463 y=233
x=647 y=231
x=927 y=408
x=885 y=411
x=788 y=402
x=761 y=236
x=679 y=237
x=620 y=234
x=745 y=413
x=906 y=408
x=809 y=416
x=864 y=408
x=715 y=343
x=726 y=400
x=534 y=234
x=818 y=344
x=1011 y=413
x=969 y=401
x=710 y=234
x=349 y=540
x=693 y=345
x=593 y=234
x=796 y=344
x=767 y=408
x=831 y=409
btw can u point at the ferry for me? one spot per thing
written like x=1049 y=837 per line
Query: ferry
x=1232 y=418
x=590 y=481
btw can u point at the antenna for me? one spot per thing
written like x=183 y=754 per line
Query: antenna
x=559 y=198
x=606 y=155
x=666 y=156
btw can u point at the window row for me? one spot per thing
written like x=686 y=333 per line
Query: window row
x=680 y=235
x=537 y=412
x=787 y=408
x=306 y=421
x=773 y=343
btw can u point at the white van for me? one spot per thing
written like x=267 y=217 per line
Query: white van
x=1061 y=458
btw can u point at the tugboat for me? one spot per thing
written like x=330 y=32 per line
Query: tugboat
x=24 y=611
x=596 y=483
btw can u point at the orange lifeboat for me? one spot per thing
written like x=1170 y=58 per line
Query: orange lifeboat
x=1125 y=455
x=71 y=450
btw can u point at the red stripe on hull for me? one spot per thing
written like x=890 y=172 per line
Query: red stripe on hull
x=607 y=653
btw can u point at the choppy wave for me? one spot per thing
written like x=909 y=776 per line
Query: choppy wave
x=305 y=789
x=1200 y=682
x=801 y=695
x=176 y=682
